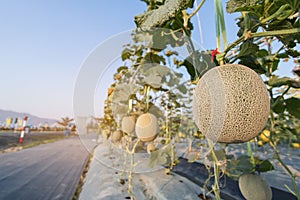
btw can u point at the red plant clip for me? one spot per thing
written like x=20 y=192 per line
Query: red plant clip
x=214 y=54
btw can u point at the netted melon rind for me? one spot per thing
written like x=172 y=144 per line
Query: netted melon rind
x=146 y=127
x=254 y=187
x=231 y=104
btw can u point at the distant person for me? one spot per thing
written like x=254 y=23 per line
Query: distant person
x=27 y=129
x=68 y=130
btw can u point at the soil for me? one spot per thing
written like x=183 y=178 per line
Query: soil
x=197 y=173
x=10 y=140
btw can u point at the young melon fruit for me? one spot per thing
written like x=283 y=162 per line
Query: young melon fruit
x=231 y=104
x=105 y=132
x=146 y=127
x=296 y=145
x=150 y=147
x=254 y=187
x=116 y=136
x=265 y=136
x=128 y=124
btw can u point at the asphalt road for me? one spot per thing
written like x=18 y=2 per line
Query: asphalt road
x=49 y=171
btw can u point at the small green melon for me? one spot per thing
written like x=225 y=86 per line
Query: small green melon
x=117 y=136
x=128 y=124
x=146 y=127
x=150 y=147
x=254 y=187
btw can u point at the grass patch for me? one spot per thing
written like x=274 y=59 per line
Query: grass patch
x=39 y=142
x=11 y=140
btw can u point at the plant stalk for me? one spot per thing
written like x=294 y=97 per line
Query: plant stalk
x=261 y=34
x=215 y=187
x=147 y=98
x=196 y=10
x=132 y=165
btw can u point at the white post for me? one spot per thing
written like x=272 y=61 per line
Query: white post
x=23 y=130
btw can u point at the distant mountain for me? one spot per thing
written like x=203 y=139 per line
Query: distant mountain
x=34 y=120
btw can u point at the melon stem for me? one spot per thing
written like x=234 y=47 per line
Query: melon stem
x=277 y=157
x=215 y=187
x=196 y=10
x=130 y=102
x=250 y=154
x=132 y=165
x=147 y=98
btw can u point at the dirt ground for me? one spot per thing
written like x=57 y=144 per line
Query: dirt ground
x=11 y=139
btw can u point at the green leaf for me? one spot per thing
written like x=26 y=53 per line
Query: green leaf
x=293 y=53
x=165 y=37
x=179 y=75
x=122 y=68
x=248 y=48
x=173 y=81
x=293 y=106
x=242 y=5
x=220 y=154
x=162 y=14
x=123 y=92
x=182 y=89
x=119 y=109
x=295 y=84
x=192 y=158
x=153 y=80
x=262 y=53
x=152 y=57
x=156 y=111
x=242 y=164
x=288 y=40
x=245 y=164
x=159 y=70
x=275 y=81
x=252 y=62
x=126 y=53
x=157 y=158
x=162 y=156
x=278 y=106
x=265 y=166
x=143 y=37
x=198 y=63
x=253 y=19
x=282 y=55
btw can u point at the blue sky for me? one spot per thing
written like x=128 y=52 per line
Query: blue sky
x=44 y=42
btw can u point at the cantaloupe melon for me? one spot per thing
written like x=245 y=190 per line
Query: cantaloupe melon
x=146 y=127
x=254 y=187
x=128 y=124
x=231 y=104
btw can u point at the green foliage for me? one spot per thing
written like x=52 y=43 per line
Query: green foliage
x=162 y=156
x=198 y=63
x=244 y=164
x=268 y=35
x=160 y=14
x=275 y=81
x=293 y=106
x=248 y=48
x=123 y=92
x=220 y=154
